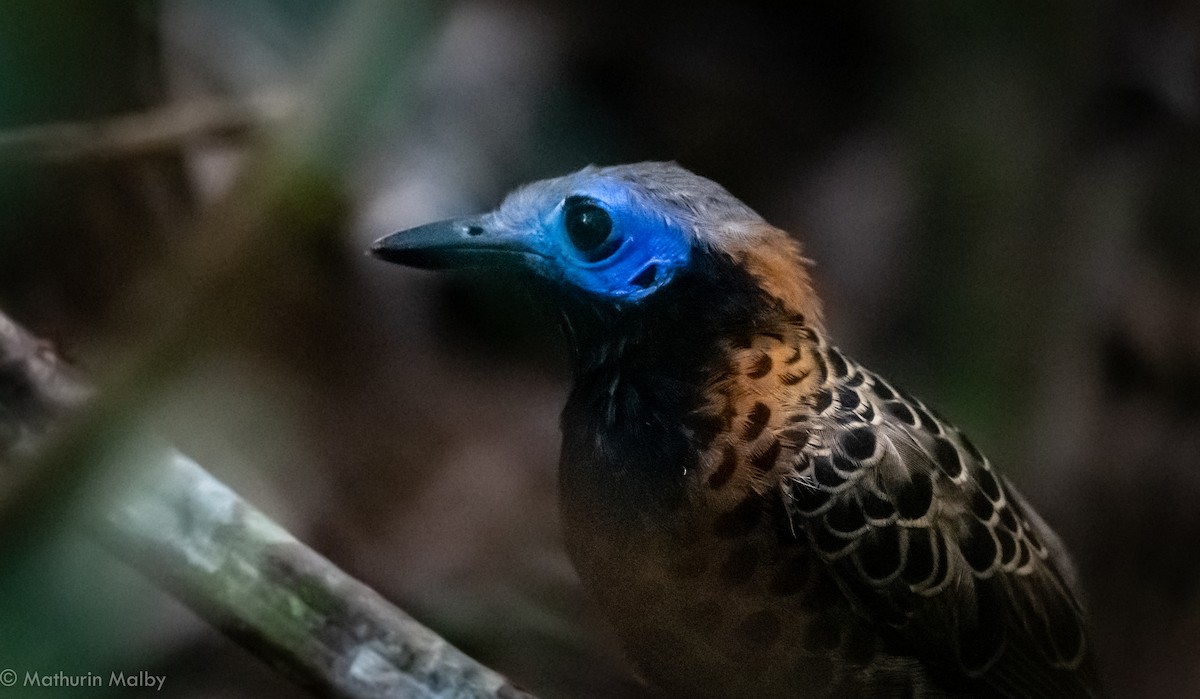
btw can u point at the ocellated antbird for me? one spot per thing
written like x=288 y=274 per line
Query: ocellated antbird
x=758 y=515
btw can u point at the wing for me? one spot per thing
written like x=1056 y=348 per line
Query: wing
x=927 y=539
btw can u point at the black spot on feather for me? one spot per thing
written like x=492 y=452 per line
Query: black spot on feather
x=880 y=552
x=876 y=507
x=901 y=412
x=705 y=428
x=725 y=468
x=981 y=636
x=760 y=367
x=807 y=497
x=919 y=565
x=947 y=458
x=820 y=368
x=1008 y=520
x=981 y=507
x=821 y=401
x=796 y=435
x=979 y=547
x=824 y=473
x=756 y=421
x=837 y=363
x=847 y=399
x=764 y=459
x=846 y=516
x=914 y=497
x=858 y=443
x=926 y=420
x=1008 y=545
x=988 y=483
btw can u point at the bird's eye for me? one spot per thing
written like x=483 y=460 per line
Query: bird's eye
x=589 y=227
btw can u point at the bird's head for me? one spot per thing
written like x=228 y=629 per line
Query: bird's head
x=616 y=237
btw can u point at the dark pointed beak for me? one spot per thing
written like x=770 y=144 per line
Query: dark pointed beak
x=461 y=242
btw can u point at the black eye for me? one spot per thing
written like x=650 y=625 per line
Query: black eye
x=589 y=227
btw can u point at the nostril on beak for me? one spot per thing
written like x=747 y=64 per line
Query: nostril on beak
x=474 y=230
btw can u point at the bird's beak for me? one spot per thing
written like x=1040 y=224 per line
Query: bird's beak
x=472 y=241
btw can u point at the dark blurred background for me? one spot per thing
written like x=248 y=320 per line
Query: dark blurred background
x=1003 y=199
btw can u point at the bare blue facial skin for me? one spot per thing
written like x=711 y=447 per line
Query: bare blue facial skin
x=642 y=250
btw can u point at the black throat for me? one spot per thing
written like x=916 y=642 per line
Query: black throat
x=640 y=374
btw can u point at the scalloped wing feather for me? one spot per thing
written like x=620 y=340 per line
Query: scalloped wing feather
x=924 y=537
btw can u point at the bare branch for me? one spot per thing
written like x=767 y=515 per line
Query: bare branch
x=230 y=563
x=161 y=130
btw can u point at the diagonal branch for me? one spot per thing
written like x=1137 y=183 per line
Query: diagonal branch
x=163 y=129
x=235 y=567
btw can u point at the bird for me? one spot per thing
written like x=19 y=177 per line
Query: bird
x=755 y=513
